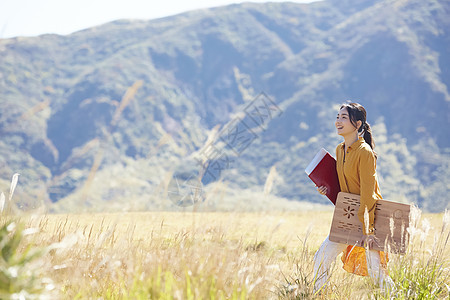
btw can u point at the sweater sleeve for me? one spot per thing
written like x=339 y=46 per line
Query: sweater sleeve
x=368 y=200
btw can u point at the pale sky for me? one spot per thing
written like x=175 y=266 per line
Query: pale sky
x=35 y=17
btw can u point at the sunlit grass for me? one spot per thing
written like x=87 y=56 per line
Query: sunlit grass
x=200 y=255
x=220 y=256
x=203 y=255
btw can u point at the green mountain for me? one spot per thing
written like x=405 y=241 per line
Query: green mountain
x=112 y=117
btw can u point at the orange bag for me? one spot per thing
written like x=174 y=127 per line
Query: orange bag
x=354 y=259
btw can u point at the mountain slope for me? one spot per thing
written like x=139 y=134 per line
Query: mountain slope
x=104 y=118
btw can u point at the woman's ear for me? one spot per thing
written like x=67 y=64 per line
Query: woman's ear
x=359 y=124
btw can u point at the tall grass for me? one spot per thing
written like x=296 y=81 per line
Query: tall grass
x=202 y=256
x=200 y=263
x=424 y=272
x=223 y=256
x=22 y=263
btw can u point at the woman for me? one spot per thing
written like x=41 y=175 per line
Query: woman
x=356 y=168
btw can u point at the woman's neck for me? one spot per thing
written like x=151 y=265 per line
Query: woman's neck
x=350 y=139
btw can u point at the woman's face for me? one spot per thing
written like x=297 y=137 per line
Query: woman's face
x=343 y=125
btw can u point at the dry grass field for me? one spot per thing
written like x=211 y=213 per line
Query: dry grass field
x=185 y=255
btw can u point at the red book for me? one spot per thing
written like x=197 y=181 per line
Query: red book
x=322 y=171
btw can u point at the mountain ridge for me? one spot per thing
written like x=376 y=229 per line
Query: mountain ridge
x=143 y=97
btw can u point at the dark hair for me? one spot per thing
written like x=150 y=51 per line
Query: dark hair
x=356 y=112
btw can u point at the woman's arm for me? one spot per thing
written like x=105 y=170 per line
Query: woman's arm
x=367 y=174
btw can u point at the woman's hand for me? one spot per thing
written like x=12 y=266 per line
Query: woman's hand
x=322 y=190
x=370 y=241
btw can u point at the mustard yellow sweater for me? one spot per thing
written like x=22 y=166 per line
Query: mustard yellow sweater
x=357 y=175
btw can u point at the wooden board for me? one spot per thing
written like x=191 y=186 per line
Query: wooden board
x=391 y=223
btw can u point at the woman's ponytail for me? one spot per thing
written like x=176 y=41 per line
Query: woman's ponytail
x=367 y=135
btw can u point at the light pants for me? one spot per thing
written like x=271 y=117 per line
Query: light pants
x=327 y=254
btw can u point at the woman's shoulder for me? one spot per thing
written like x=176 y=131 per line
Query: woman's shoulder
x=340 y=148
x=365 y=149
